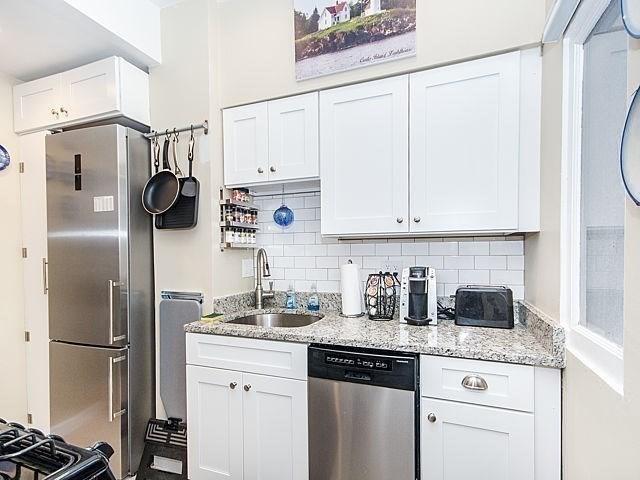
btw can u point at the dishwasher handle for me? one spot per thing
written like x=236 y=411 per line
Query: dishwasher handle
x=363 y=377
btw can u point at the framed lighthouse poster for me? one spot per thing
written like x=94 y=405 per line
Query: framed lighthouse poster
x=337 y=35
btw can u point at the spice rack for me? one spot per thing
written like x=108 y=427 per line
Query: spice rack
x=238 y=220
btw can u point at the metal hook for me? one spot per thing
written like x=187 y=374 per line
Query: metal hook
x=191 y=132
x=176 y=137
x=166 y=133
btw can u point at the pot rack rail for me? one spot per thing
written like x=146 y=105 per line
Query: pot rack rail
x=170 y=131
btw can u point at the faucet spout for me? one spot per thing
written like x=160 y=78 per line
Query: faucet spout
x=262 y=270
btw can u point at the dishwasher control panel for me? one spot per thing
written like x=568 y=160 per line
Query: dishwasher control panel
x=358 y=361
x=363 y=366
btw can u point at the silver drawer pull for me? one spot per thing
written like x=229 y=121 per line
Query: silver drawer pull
x=474 y=382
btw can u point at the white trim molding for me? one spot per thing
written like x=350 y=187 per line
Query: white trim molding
x=599 y=354
x=558 y=20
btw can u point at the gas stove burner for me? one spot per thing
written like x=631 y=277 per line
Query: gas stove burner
x=30 y=454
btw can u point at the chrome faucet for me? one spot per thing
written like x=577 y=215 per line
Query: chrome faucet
x=262 y=270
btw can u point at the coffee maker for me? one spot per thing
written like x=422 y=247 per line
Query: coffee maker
x=418 y=301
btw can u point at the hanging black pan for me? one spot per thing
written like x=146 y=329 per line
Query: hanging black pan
x=163 y=188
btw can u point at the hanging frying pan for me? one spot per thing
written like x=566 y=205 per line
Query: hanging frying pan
x=163 y=188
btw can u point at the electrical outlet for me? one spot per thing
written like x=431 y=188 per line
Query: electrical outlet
x=393 y=267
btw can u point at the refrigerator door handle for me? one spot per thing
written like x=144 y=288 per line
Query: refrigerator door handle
x=45 y=275
x=113 y=415
x=113 y=338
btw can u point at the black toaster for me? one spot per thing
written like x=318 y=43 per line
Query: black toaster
x=480 y=306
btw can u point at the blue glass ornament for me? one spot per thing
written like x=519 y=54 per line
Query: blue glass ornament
x=283 y=216
x=4 y=158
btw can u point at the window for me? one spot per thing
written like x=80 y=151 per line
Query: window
x=595 y=96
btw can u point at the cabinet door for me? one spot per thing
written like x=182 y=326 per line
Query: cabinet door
x=275 y=428
x=35 y=104
x=364 y=157
x=90 y=90
x=214 y=416
x=293 y=138
x=465 y=146
x=246 y=144
x=469 y=441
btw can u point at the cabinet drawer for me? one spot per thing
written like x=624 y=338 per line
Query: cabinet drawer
x=496 y=384
x=280 y=359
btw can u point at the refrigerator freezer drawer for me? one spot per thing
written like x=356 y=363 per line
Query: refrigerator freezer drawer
x=89 y=398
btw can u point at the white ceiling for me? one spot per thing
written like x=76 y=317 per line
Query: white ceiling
x=42 y=37
x=165 y=3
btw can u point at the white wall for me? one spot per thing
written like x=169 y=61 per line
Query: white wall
x=13 y=400
x=600 y=427
x=257 y=57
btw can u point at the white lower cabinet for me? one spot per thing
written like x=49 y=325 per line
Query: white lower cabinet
x=246 y=426
x=462 y=441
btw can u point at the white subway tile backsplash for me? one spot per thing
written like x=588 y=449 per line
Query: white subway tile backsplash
x=447 y=276
x=388 y=249
x=327 y=262
x=415 y=249
x=490 y=263
x=294 y=250
x=515 y=262
x=312 y=226
x=301 y=256
x=339 y=249
x=304 y=238
x=283 y=262
x=316 y=250
x=443 y=248
x=363 y=249
x=435 y=261
x=305 y=262
x=305 y=214
x=473 y=248
x=282 y=239
x=458 y=262
x=515 y=247
x=477 y=277
x=295 y=274
x=316 y=273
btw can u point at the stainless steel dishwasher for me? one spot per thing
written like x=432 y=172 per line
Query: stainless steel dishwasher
x=363 y=411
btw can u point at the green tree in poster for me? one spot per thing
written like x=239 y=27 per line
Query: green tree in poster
x=312 y=25
x=300 y=23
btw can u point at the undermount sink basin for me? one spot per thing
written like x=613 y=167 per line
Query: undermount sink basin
x=287 y=320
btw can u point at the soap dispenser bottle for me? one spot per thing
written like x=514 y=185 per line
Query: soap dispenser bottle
x=291 y=303
x=314 y=302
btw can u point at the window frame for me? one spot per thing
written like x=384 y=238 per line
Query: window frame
x=603 y=356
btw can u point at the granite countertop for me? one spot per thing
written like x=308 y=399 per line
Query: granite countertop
x=536 y=342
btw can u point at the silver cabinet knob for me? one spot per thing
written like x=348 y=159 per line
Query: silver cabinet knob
x=399 y=219
x=432 y=417
x=64 y=111
x=233 y=385
x=260 y=170
x=417 y=219
x=247 y=387
x=474 y=382
x=55 y=113
x=272 y=169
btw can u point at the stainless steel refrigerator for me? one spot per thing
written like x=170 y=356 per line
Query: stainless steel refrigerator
x=100 y=289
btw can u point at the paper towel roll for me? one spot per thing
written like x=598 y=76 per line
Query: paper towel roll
x=351 y=289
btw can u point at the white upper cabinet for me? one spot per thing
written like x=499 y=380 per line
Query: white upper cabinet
x=35 y=104
x=464 y=146
x=293 y=138
x=246 y=144
x=107 y=88
x=364 y=158
x=275 y=141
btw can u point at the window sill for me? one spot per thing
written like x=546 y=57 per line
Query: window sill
x=602 y=357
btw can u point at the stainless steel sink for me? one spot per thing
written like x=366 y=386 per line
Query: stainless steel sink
x=287 y=320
